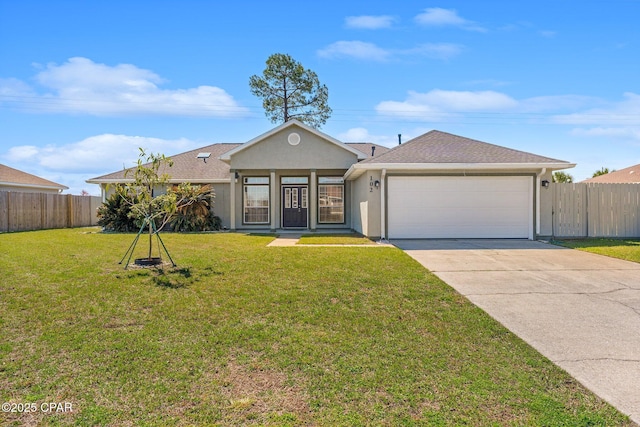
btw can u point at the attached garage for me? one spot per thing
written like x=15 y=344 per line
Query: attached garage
x=460 y=207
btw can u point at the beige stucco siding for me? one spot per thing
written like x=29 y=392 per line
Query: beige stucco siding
x=546 y=207
x=275 y=151
x=365 y=204
x=221 y=205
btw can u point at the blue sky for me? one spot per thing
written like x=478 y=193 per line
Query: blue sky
x=83 y=84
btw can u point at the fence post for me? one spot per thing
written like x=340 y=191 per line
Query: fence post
x=8 y=210
x=69 y=211
x=588 y=208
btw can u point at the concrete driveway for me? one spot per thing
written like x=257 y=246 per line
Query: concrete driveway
x=580 y=310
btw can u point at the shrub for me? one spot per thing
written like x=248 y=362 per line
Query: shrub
x=193 y=213
x=195 y=208
x=115 y=214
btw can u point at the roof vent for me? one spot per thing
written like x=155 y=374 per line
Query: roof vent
x=399 y=139
x=373 y=150
x=203 y=156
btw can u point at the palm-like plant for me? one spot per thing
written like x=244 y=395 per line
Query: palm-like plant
x=194 y=208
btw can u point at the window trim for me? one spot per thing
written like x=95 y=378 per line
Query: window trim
x=248 y=182
x=328 y=183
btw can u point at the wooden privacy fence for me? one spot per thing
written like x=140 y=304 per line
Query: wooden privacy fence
x=596 y=210
x=36 y=211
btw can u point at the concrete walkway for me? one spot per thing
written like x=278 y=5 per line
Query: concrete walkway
x=291 y=239
x=580 y=310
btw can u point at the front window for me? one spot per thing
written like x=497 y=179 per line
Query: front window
x=256 y=200
x=330 y=200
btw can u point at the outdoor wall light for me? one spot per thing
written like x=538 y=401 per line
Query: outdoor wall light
x=237 y=176
x=377 y=184
x=545 y=183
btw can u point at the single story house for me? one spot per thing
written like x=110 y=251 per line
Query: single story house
x=16 y=180
x=437 y=185
x=630 y=175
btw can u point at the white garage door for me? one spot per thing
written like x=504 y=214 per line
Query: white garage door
x=460 y=207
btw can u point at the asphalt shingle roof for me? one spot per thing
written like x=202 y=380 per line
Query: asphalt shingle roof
x=15 y=176
x=628 y=175
x=442 y=147
x=187 y=167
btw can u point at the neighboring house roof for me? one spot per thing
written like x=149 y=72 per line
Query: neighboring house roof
x=187 y=167
x=442 y=150
x=227 y=156
x=17 y=178
x=623 y=176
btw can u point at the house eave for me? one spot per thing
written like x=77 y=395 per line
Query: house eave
x=35 y=186
x=171 y=181
x=359 y=168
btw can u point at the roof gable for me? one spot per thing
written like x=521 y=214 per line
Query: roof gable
x=291 y=124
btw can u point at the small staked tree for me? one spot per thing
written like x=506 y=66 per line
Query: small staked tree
x=187 y=207
x=289 y=91
x=562 y=177
x=147 y=208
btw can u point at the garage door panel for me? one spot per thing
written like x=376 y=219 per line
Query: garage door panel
x=460 y=207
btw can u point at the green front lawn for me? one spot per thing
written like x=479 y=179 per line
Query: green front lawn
x=335 y=239
x=628 y=249
x=242 y=334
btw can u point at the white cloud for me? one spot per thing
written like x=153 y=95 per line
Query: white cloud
x=557 y=103
x=97 y=154
x=23 y=152
x=625 y=112
x=440 y=104
x=72 y=164
x=81 y=86
x=612 y=120
x=632 y=133
x=14 y=88
x=355 y=49
x=369 y=22
x=370 y=52
x=361 y=134
x=439 y=17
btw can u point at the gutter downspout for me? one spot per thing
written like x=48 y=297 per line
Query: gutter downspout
x=383 y=205
x=538 y=190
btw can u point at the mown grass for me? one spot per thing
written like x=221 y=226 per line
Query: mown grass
x=242 y=334
x=627 y=249
x=335 y=239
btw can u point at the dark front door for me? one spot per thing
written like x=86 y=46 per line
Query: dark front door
x=295 y=203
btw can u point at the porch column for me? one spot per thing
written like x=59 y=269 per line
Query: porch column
x=232 y=199
x=313 y=201
x=272 y=201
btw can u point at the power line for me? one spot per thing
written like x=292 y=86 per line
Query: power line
x=115 y=107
